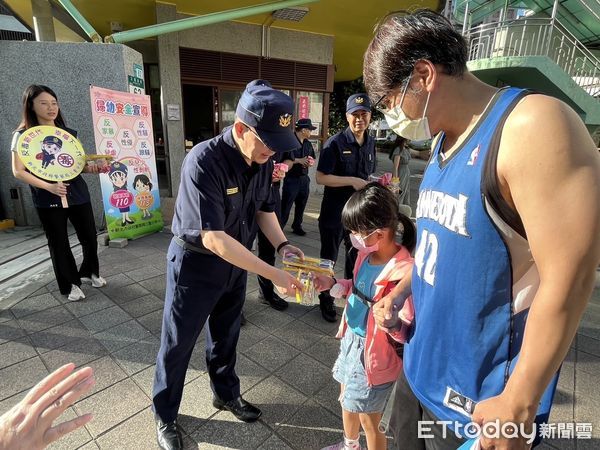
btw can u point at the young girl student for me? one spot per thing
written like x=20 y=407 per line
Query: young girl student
x=368 y=363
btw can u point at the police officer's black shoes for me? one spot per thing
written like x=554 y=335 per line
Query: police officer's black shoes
x=299 y=231
x=240 y=408
x=327 y=310
x=168 y=435
x=273 y=300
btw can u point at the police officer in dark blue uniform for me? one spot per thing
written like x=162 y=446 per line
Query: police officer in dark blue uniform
x=224 y=195
x=346 y=161
x=296 y=185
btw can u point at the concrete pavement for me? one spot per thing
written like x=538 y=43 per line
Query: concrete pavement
x=284 y=361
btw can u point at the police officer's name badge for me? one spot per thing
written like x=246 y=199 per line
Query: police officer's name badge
x=51 y=153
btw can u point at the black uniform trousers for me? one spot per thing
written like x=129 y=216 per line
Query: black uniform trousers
x=331 y=238
x=201 y=289
x=266 y=251
x=54 y=222
x=295 y=191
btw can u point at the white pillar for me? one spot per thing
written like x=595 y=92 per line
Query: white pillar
x=43 y=21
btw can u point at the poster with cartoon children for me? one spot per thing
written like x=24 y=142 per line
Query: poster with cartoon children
x=123 y=129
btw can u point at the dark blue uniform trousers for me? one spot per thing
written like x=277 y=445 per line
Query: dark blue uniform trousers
x=295 y=190
x=200 y=289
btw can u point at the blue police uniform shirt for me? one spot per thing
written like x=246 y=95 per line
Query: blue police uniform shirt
x=343 y=156
x=219 y=191
x=466 y=337
x=77 y=191
x=306 y=149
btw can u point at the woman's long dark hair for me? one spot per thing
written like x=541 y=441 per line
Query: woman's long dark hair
x=29 y=118
x=375 y=207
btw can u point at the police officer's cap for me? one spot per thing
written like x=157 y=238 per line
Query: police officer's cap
x=305 y=123
x=117 y=167
x=269 y=112
x=358 y=101
x=52 y=140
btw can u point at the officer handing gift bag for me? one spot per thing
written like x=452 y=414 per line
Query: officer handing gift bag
x=224 y=197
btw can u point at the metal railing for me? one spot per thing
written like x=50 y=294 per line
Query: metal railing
x=537 y=37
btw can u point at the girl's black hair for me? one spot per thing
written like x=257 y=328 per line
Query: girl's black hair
x=144 y=179
x=29 y=118
x=375 y=207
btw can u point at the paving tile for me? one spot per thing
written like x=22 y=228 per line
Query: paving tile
x=89 y=305
x=138 y=356
x=305 y=374
x=145 y=272
x=90 y=446
x=326 y=350
x=137 y=432
x=21 y=376
x=588 y=363
x=314 y=319
x=143 y=305
x=10 y=330
x=112 y=406
x=588 y=345
x=16 y=351
x=72 y=440
x=156 y=285
x=118 y=280
x=58 y=336
x=586 y=386
x=271 y=353
x=107 y=318
x=45 y=319
x=312 y=427
x=9 y=402
x=562 y=406
x=196 y=404
x=249 y=373
x=274 y=443
x=6 y=315
x=79 y=351
x=122 y=335
x=299 y=335
x=32 y=305
x=250 y=334
x=297 y=310
x=328 y=396
x=277 y=400
x=225 y=431
x=127 y=293
x=269 y=319
x=106 y=372
x=152 y=322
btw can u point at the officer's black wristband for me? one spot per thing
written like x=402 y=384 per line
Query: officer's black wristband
x=283 y=244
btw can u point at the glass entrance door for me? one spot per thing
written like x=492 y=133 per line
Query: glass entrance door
x=228 y=100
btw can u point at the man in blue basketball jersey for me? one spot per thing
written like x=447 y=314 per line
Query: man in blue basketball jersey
x=508 y=222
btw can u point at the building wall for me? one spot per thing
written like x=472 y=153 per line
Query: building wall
x=231 y=37
x=69 y=69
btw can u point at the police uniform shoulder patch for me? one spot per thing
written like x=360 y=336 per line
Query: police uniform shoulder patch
x=285 y=120
x=233 y=190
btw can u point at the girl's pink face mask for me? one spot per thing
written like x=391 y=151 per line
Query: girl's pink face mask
x=359 y=243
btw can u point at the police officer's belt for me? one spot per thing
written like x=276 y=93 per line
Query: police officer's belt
x=191 y=247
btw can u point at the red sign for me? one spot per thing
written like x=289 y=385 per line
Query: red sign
x=121 y=198
x=303 y=107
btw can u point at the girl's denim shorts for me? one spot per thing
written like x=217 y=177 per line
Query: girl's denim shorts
x=349 y=370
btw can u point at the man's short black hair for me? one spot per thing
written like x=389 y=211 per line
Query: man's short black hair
x=401 y=41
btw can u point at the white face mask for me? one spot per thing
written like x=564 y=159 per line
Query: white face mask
x=413 y=130
x=358 y=242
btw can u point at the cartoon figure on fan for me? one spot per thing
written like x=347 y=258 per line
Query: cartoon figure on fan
x=118 y=177
x=144 y=199
x=51 y=145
